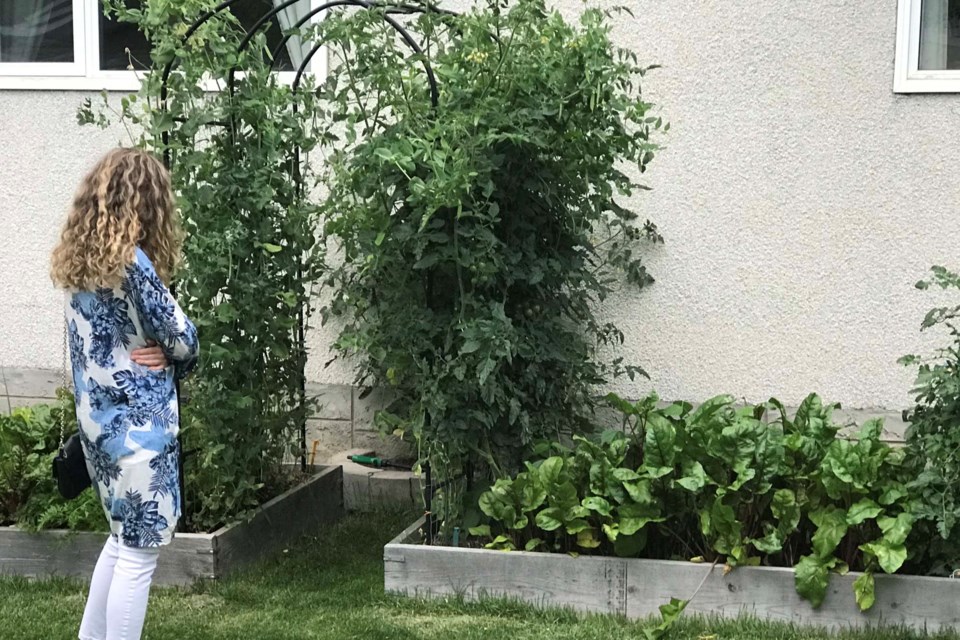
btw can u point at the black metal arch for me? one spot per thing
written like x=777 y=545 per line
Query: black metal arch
x=365 y=4
x=389 y=9
x=402 y=9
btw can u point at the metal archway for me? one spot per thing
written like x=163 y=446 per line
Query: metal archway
x=388 y=10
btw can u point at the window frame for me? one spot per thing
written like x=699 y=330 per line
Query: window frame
x=908 y=77
x=84 y=73
x=53 y=69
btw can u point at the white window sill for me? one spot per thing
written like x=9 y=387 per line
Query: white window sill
x=127 y=83
x=118 y=81
x=927 y=82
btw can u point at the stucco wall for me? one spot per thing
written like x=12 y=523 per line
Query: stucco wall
x=799 y=197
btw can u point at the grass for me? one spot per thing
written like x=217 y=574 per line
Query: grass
x=331 y=588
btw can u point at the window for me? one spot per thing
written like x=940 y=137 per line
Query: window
x=70 y=44
x=928 y=47
x=41 y=36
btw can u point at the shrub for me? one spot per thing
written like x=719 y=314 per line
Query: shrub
x=250 y=256
x=933 y=436
x=479 y=238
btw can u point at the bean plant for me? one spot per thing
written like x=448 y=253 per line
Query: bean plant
x=251 y=255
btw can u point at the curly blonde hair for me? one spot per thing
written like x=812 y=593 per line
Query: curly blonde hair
x=124 y=202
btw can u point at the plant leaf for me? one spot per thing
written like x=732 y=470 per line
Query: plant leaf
x=550 y=519
x=597 y=504
x=862 y=511
x=812 y=577
x=587 y=539
x=831 y=528
x=630 y=546
x=694 y=477
x=891 y=557
x=864 y=589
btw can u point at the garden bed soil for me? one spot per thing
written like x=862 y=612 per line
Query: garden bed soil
x=635 y=588
x=191 y=556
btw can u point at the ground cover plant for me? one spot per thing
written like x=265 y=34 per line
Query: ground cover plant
x=718 y=483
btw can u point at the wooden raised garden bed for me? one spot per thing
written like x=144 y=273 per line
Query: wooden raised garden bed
x=191 y=556
x=636 y=588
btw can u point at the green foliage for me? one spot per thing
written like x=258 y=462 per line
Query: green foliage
x=934 y=433
x=669 y=614
x=250 y=257
x=29 y=440
x=718 y=482
x=479 y=238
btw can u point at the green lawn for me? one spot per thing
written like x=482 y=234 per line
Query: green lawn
x=332 y=588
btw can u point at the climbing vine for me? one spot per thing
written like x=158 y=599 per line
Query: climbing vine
x=250 y=255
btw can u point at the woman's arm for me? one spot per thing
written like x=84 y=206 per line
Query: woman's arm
x=161 y=317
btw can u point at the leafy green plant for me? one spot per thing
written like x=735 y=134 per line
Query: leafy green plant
x=933 y=437
x=862 y=515
x=29 y=440
x=250 y=257
x=717 y=483
x=478 y=237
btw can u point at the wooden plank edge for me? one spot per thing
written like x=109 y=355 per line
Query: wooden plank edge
x=329 y=481
x=402 y=559
x=599 y=584
x=410 y=534
x=203 y=545
x=268 y=505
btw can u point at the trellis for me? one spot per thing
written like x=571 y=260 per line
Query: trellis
x=388 y=11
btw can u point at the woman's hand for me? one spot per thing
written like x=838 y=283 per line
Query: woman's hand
x=150 y=356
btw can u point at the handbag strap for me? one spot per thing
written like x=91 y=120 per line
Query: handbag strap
x=63 y=385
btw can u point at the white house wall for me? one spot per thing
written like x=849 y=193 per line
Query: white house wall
x=799 y=197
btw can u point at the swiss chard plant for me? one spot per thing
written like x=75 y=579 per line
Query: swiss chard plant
x=479 y=237
x=717 y=483
x=29 y=440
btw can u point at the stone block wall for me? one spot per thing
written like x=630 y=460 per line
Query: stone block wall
x=342 y=421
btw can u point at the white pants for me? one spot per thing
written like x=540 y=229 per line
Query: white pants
x=117 y=604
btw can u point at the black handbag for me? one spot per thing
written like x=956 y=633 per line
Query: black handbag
x=70 y=464
x=70 y=468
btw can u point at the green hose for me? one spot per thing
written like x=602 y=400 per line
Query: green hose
x=370 y=461
x=378 y=463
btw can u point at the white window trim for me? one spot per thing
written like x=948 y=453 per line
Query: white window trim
x=84 y=74
x=908 y=77
x=55 y=69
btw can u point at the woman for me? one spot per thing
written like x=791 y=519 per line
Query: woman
x=129 y=342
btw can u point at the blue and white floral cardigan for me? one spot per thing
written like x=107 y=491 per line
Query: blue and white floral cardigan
x=127 y=413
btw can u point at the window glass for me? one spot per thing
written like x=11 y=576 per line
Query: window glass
x=116 y=37
x=249 y=12
x=940 y=34
x=36 y=31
